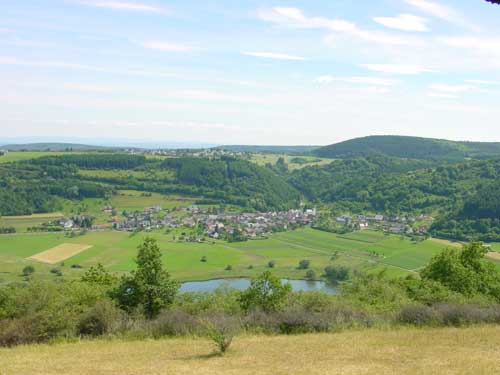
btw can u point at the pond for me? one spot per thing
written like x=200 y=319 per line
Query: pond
x=244 y=283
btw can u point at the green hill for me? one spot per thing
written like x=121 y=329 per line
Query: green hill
x=410 y=147
x=290 y=150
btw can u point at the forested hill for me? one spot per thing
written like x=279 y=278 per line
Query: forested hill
x=38 y=185
x=410 y=147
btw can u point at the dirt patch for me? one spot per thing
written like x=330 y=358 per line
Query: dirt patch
x=59 y=253
x=493 y=255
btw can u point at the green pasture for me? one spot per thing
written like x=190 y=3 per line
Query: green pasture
x=116 y=251
x=262 y=159
x=27 y=155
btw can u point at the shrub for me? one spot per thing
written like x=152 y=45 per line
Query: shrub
x=56 y=271
x=304 y=264
x=203 y=259
x=228 y=268
x=221 y=329
x=266 y=292
x=174 y=322
x=76 y=266
x=28 y=270
x=105 y=317
x=420 y=315
x=271 y=264
x=310 y=275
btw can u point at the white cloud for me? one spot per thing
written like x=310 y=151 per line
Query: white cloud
x=125 y=6
x=447 y=91
x=376 y=81
x=405 y=22
x=397 y=69
x=294 y=17
x=443 y=12
x=442 y=95
x=272 y=55
x=482 y=82
x=473 y=43
x=166 y=46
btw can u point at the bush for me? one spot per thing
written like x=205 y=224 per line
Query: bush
x=310 y=275
x=105 y=317
x=56 y=271
x=203 y=259
x=271 y=264
x=228 y=268
x=221 y=329
x=28 y=270
x=420 y=315
x=266 y=292
x=304 y=264
x=173 y=323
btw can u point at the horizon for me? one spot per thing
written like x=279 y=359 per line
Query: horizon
x=258 y=73
x=165 y=144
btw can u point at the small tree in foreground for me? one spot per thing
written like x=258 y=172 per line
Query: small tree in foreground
x=266 y=292
x=221 y=329
x=149 y=285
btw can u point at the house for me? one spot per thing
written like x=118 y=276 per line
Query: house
x=68 y=224
x=379 y=218
x=107 y=209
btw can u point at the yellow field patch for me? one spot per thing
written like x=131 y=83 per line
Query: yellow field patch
x=446 y=242
x=493 y=255
x=60 y=253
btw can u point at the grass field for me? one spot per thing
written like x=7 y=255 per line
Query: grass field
x=22 y=223
x=26 y=155
x=406 y=351
x=263 y=159
x=116 y=251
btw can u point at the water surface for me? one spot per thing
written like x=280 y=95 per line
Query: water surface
x=244 y=283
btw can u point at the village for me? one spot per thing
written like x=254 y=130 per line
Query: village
x=389 y=224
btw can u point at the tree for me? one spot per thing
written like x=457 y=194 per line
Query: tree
x=28 y=270
x=266 y=292
x=465 y=271
x=149 y=285
x=310 y=275
x=304 y=264
x=335 y=274
x=98 y=275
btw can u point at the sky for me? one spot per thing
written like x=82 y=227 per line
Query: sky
x=284 y=72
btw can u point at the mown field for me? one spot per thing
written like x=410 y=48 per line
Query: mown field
x=408 y=351
x=305 y=161
x=116 y=251
x=27 y=155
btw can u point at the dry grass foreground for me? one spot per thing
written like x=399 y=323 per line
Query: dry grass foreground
x=59 y=253
x=405 y=351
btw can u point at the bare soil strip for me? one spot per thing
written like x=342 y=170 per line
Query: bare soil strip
x=60 y=253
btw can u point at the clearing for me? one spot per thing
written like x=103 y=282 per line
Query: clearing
x=60 y=253
x=408 y=351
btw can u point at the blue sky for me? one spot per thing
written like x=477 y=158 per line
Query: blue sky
x=249 y=72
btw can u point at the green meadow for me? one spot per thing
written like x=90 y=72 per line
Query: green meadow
x=116 y=251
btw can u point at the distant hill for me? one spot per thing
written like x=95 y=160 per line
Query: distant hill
x=409 y=147
x=290 y=150
x=53 y=147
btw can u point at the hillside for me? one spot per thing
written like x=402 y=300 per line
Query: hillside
x=53 y=147
x=290 y=150
x=35 y=186
x=409 y=147
x=404 y=351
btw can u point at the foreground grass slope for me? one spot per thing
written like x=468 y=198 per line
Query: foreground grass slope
x=406 y=351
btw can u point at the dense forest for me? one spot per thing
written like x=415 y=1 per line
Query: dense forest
x=465 y=196
x=36 y=185
x=409 y=147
